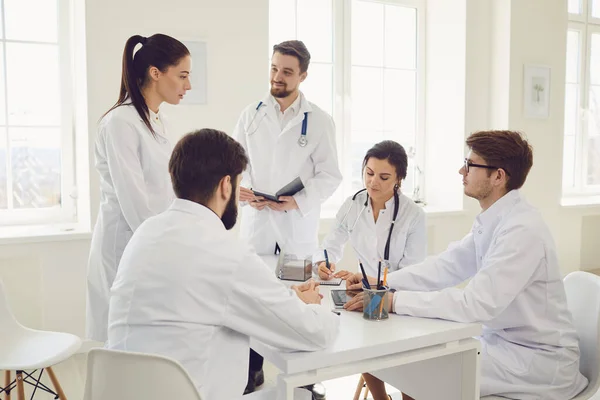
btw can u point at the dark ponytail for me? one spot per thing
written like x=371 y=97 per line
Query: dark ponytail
x=160 y=51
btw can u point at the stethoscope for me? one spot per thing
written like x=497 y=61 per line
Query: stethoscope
x=302 y=140
x=386 y=252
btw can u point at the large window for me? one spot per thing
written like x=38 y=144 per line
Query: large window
x=581 y=161
x=366 y=70
x=36 y=113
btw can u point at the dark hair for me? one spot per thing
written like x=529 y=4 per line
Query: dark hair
x=160 y=51
x=508 y=150
x=297 y=49
x=201 y=159
x=391 y=151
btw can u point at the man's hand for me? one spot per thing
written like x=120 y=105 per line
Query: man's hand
x=248 y=196
x=258 y=204
x=354 y=282
x=357 y=302
x=308 y=285
x=327 y=274
x=308 y=292
x=287 y=203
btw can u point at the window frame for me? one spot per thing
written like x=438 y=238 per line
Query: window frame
x=342 y=92
x=67 y=211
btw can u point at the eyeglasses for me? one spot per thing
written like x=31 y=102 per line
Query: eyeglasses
x=469 y=164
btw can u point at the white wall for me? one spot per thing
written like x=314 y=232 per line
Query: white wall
x=46 y=281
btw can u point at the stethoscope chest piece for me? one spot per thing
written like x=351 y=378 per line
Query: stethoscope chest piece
x=302 y=141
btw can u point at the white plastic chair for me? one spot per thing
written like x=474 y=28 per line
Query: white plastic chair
x=583 y=298
x=23 y=349
x=120 y=375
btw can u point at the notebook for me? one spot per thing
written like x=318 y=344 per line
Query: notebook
x=329 y=282
x=288 y=190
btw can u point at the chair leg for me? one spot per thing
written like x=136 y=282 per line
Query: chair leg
x=20 y=389
x=361 y=383
x=366 y=392
x=59 y=391
x=8 y=381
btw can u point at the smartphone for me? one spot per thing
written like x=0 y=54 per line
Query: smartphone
x=341 y=297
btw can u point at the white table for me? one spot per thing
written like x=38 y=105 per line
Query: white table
x=429 y=358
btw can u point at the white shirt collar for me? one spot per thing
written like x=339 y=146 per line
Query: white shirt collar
x=295 y=106
x=497 y=210
x=205 y=213
x=154 y=116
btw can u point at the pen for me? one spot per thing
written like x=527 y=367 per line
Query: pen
x=326 y=259
x=378 y=274
x=385 y=276
x=365 y=280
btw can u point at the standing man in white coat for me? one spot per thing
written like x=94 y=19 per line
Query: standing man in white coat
x=132 y=153
x=189 y=289
x=286 y=137
x=530 y=349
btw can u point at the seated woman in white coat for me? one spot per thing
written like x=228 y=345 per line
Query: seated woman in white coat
x=530 y=349
x=381 y=223
x=189 y=289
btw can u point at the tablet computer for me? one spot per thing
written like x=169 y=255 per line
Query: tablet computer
x=341 y=297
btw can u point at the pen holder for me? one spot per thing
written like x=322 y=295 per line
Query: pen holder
x=375 y=304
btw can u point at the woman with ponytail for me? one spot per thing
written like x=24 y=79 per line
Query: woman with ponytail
x=132 y=156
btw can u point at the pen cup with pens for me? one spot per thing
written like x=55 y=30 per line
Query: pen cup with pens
x=375 y=299
x=375 y=304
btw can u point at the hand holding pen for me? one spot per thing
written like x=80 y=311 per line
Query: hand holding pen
x=355 y=282
x=327 y=269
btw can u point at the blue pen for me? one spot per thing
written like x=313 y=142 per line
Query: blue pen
x=373 y=305
x=378 y=274
x=326 y=259
x=365 y=280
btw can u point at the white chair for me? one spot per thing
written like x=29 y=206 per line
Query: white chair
x=583 y=298
x=120 y=375
x=23 y=349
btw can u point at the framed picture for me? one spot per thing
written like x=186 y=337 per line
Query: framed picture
x=536 y=99
x=198 y=76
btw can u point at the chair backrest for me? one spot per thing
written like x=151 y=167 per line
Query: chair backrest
x=9 y=326
x=583 y=298
x=119 y=375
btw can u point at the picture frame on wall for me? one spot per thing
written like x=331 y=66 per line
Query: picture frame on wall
x=536 y=91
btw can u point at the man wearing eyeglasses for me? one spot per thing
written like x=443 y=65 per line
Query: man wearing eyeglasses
x=530 y=349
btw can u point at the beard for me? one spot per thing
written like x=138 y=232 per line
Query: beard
x=280 y=92
x=229 y=217
x=479 y=193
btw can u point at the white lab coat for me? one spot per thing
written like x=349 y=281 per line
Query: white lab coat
x=275 y=160
x=408 y=244
x=134 y=185
x=530 y=348
x=189 y=289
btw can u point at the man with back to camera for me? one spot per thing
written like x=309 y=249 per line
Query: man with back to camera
x=189 y=289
